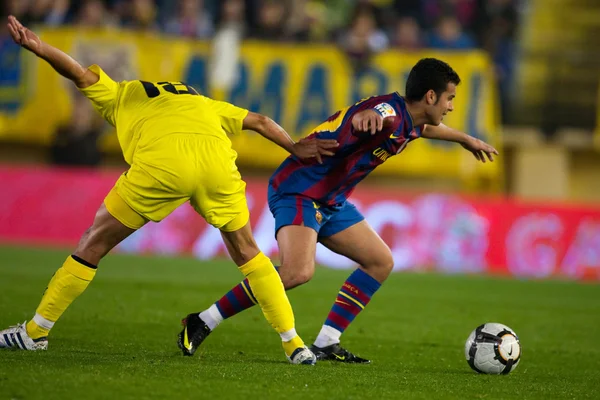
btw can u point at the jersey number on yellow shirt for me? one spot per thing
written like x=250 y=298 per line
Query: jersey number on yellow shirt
x=152 y=90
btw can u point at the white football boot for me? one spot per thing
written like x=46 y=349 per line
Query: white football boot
x=16 y=337
x=303 y=355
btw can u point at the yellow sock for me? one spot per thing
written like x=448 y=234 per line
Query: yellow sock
x=35 y=331
x=66 y=285
x=292 y=345
x=270 y=294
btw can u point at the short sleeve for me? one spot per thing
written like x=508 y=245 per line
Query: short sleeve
x=231 y=117
x=104 y=95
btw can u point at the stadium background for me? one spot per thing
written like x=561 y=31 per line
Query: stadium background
x=508 y=242
x=529 y=88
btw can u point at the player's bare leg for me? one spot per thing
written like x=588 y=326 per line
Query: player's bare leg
x=68 y=282
x=361 y=244
x=297 y=247
x=297 y=250
x=105 y=233
x=267 y=290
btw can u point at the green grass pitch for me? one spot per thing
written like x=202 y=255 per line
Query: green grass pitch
x=117 y=341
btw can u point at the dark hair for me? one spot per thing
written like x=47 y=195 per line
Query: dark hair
x=429 y=74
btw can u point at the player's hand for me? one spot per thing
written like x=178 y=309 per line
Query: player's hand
x=480 y=149
x=368 y=121
x=23 y=36
x=311 y=147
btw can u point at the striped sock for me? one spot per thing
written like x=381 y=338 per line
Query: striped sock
x=234 y=302
x=352 y=298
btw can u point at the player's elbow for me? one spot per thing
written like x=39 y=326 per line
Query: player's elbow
x=86 y=78
x=256 y=122
x=263 y=122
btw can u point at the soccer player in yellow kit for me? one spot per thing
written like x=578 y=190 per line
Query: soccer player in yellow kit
x=176 y=143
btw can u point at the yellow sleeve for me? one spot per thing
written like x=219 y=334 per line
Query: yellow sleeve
x=104 y=95
x=231 y=117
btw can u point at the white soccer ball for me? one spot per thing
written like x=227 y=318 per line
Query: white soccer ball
x=493 y=349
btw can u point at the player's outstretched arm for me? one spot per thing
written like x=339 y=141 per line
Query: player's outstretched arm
x=60 y=61
x=478 y=147
x=305 y=148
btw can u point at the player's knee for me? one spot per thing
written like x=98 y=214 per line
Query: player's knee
x=387 y=264
x=380 y=267
x=303 y=276
x=296 y=274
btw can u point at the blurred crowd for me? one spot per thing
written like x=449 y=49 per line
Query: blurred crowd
x=360 y=27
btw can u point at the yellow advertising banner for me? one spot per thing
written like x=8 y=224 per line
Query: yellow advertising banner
x=297 y=85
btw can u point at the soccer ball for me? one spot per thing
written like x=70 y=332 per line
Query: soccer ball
x=493 y=349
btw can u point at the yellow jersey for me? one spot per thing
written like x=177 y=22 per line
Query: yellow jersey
x=144 y=111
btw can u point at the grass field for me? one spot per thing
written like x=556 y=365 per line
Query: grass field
x=118 y=340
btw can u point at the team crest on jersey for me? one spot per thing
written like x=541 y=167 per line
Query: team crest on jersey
x=318 y=217
x=385 y=110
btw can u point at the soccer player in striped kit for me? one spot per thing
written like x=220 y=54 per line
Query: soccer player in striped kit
x=310 y=203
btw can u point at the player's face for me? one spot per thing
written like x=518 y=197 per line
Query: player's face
x=439 y=107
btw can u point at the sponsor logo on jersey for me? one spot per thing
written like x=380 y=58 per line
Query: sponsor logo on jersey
x=382 y=154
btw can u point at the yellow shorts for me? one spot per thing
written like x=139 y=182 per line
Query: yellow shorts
x=177 y=168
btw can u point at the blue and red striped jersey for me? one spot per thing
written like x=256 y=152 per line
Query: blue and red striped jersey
x=356 y=156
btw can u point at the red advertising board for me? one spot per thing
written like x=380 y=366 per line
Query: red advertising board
x=424 y=231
